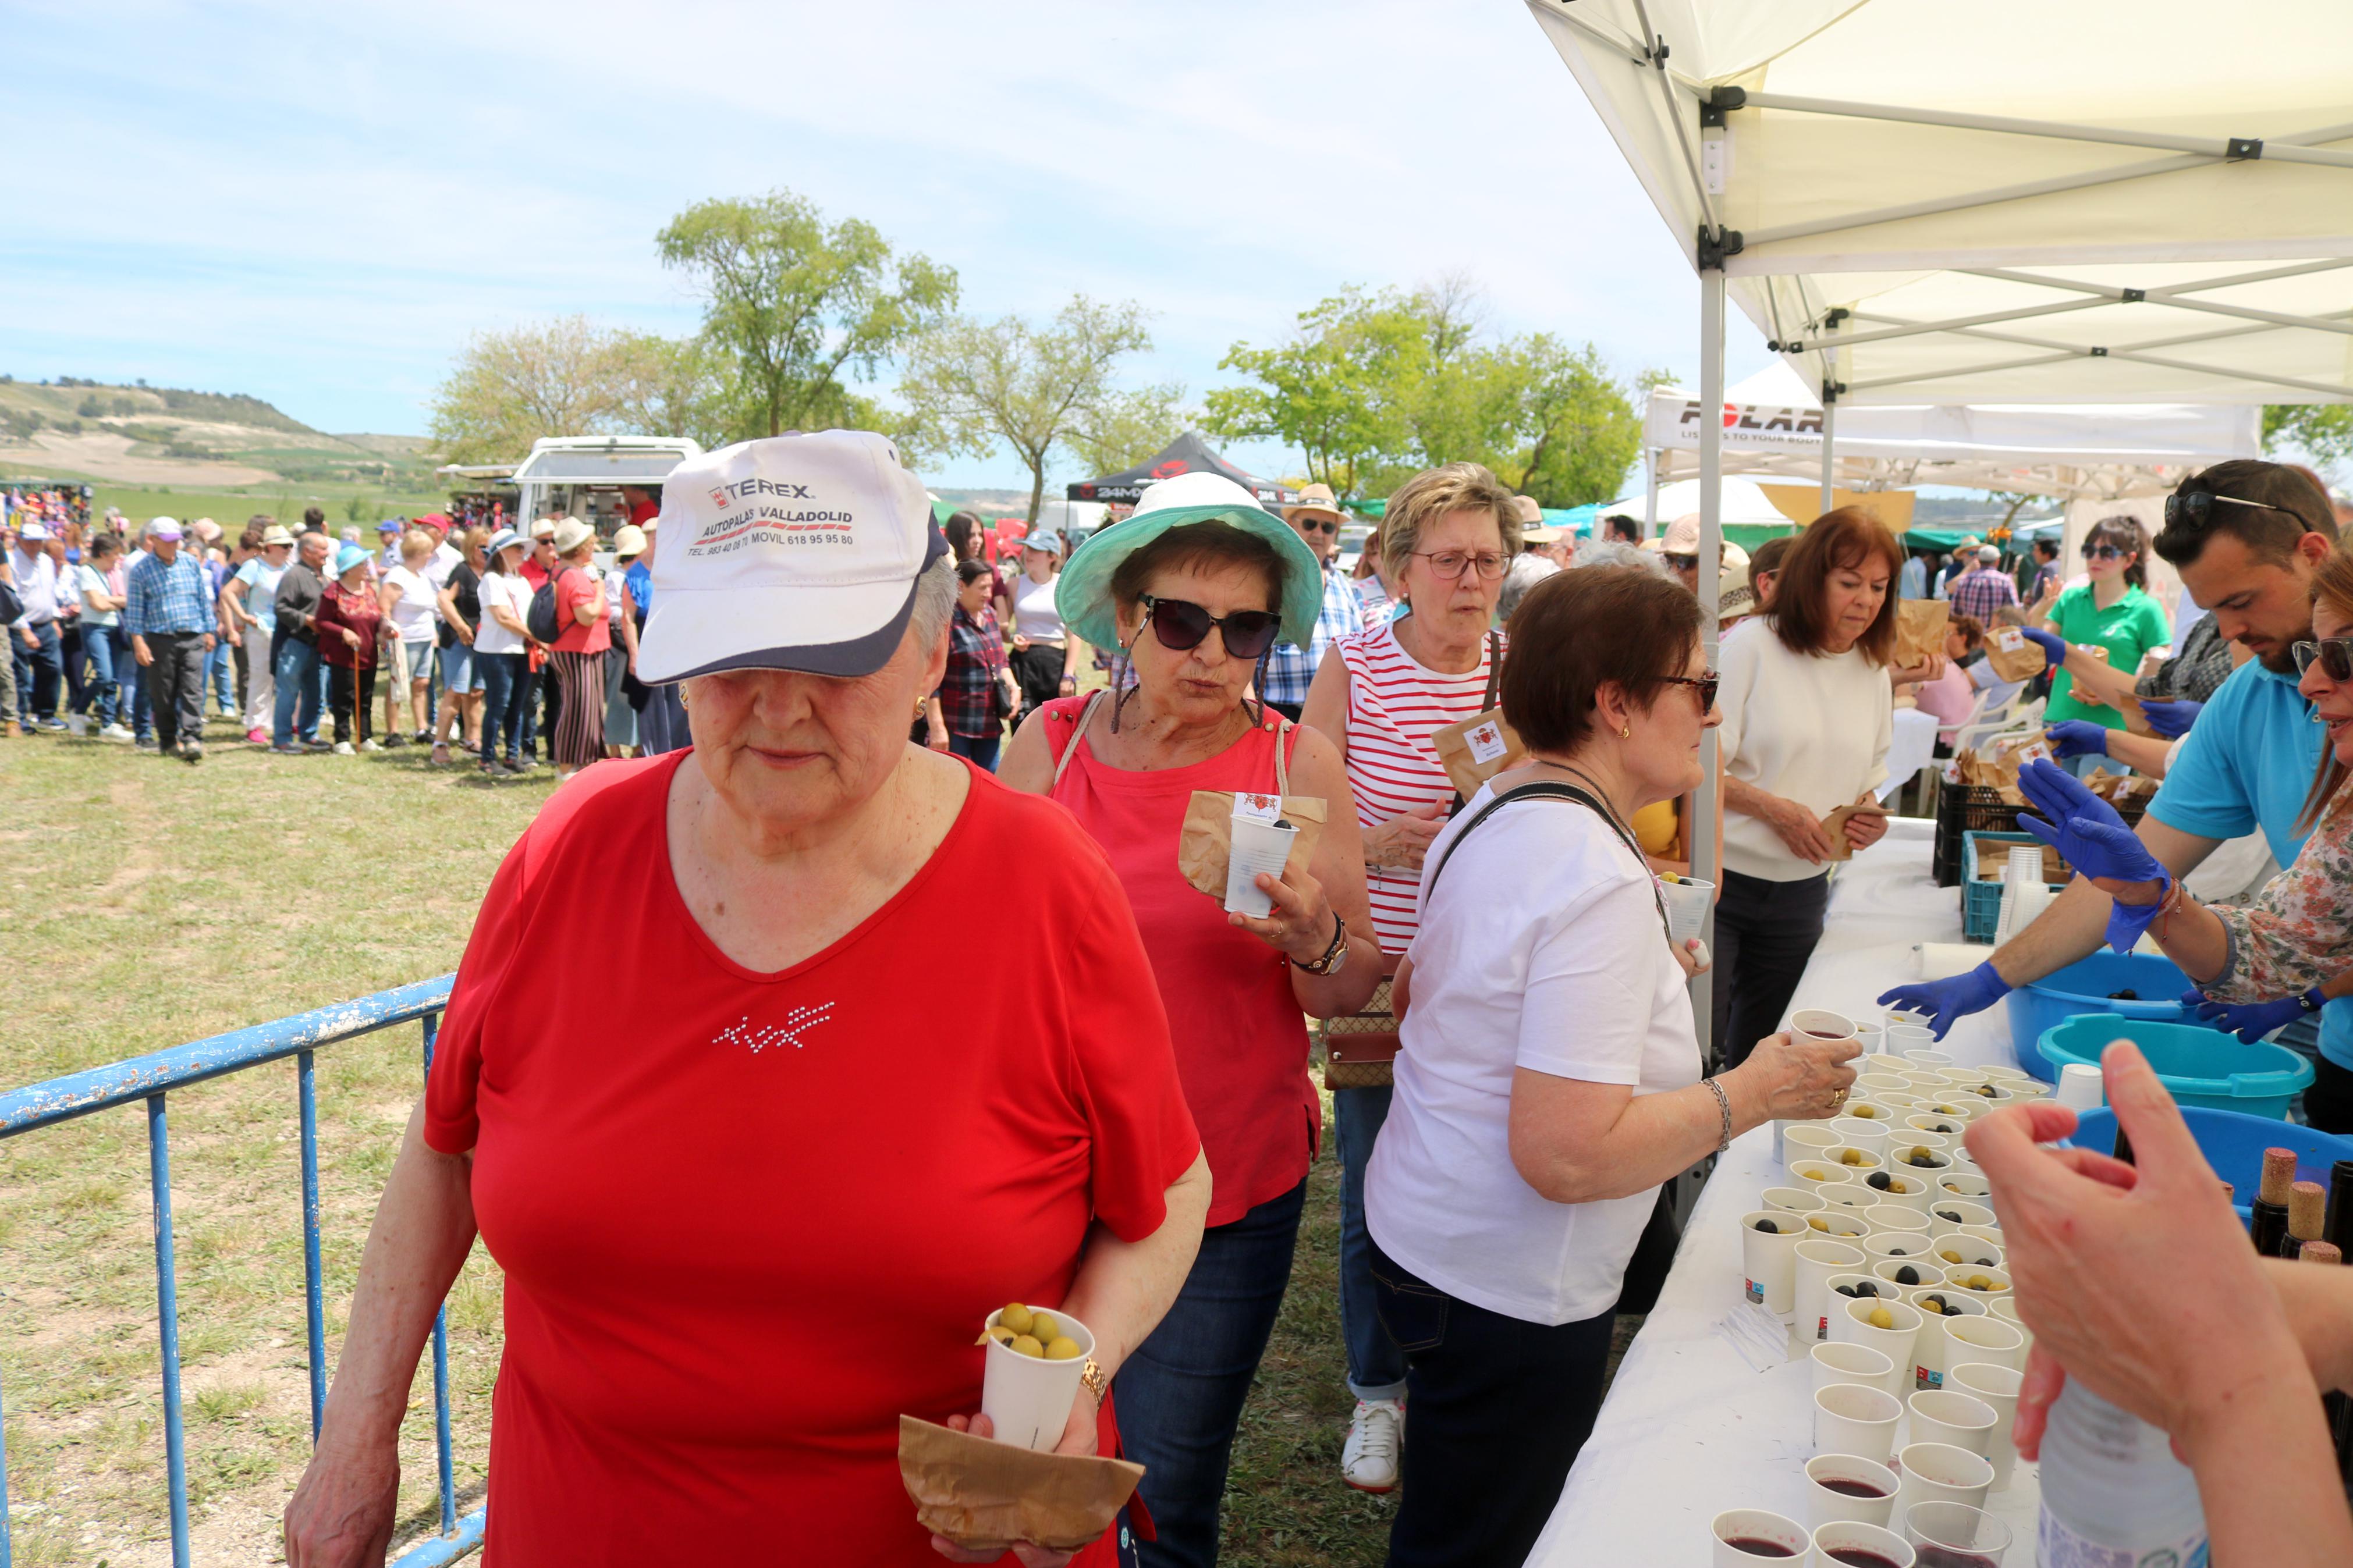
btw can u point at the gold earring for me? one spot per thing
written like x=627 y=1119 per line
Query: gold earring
x=1625 y=731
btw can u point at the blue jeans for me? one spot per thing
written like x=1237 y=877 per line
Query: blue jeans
x=107 y=649
x=296 y=667
x=1180 y=1394
x=1375 y=1366
x=981 y=748
x=506 y=701
x=220 y=679
x=40 y=669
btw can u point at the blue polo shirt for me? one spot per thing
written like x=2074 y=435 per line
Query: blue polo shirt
x=2246 y=766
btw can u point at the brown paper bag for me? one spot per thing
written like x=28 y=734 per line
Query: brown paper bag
x=1834 y=827
x=1476 y=750
x=1209 y=833
x=985 y=1495
x=2014 y=658
x=1920 y=630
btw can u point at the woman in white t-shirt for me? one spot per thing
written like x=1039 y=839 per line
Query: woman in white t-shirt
x=1042 y=654
x=502 y=652
x=1549 y=1081
x=1809 y=711
x=407 y=599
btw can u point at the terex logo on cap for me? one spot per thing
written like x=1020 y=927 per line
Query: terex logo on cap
x=758 y=486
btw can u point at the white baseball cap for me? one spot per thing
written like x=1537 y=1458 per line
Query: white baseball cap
x=796 y=552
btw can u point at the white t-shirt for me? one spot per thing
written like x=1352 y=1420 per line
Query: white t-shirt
x=513 y=591
x=445 y=558
x=413 y=615
x=1540 y=948
x=260 y=580
x=1034 y=614
x=89 y=579
x=1813 y=730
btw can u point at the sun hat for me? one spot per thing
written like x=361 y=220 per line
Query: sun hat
x=33 y=529
x=571 y=534
x=162 y=528
x=207 y=530
x=348 y=556
x=1082 y=592
x=543 y=528
x=1043 y=539
x=275 y=534
x=795 y=551
x=1530 y=514
x=500 y=540
x=628 y=540
x=1317 y=500
x=1542 y=534
x=1682 y=536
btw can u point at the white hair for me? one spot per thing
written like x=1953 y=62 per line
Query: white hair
x=1610 y=553
x=936 y=598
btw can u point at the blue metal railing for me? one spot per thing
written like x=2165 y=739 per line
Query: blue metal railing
x=151 y=1078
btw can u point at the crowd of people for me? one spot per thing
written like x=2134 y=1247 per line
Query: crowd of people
x=507 y=646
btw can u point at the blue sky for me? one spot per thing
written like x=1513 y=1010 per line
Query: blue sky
x=318 y=204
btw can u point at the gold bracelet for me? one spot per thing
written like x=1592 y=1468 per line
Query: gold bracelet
x=1091 y=1376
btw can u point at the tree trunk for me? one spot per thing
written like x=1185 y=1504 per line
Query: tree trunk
x=1037 y=489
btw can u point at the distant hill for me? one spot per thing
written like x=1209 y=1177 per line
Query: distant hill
x=141 y=434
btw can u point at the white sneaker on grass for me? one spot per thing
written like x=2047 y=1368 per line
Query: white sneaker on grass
x=343 y=748
x=1375 y=1448
x=114 y=732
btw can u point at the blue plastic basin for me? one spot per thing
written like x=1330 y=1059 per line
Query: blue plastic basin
x=2235 y=1145
x=2083 y=987
x=2198 y=1067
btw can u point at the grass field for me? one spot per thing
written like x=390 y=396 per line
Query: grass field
x=145 y=903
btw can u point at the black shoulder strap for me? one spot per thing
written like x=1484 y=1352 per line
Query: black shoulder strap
x=1544 y=789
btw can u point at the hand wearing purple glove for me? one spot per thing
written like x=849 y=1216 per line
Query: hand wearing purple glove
x=1949 y=1000
x=2053 y=646
x=2251 y=1021
x=2171 y=720
x=2091 y=836
x=2077 y=738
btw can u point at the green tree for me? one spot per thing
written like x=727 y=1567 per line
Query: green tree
x=1123 y=428
x=671 y=387
x=972 y=386
x=795 y=305
x=2324 y=430
x=1325 y=391
x=1560 y=428
x=567 y=377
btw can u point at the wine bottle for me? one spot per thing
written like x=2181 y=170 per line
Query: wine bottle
x=2269 y=1224
x=2308 y=1210
x=2338 y=1229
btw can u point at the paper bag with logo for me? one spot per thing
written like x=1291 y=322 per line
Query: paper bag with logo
x=1209 y=833
x=2014 y=658
x=1920 y=630
x=1834 y=828
x=1476 y=750
x=985 y=1495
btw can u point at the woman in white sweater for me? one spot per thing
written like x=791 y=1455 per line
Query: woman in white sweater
x=1807 y=712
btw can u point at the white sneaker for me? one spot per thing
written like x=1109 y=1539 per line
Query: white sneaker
x=114 y=732
x=343 y=748
x=370 y=744
x=1376 y=1444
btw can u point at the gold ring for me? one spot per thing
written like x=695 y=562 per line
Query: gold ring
x=1838 y=1098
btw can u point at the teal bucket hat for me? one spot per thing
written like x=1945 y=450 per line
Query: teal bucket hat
x=1082 y=591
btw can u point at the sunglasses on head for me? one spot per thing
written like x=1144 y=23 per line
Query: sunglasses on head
x=1180 y=624
x=2334 y=655
x=2192 y=508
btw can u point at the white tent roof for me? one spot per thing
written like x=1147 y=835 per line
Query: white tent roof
x=1743 y=504
x=2038 y=201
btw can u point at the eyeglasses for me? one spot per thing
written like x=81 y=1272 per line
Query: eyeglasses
x=1682 y=563
x=2104 y=551
x=1450 y=565
x=2191 y=509
x=1180 y=624
x=1316 y=525
x=2334 y=655
x=1705 y=684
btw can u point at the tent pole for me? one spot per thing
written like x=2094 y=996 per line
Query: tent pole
x=1701 y=830
x=1650 y=493
x=2218 y=148
x=1829 y=441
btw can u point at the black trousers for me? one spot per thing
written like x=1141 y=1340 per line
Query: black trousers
x=176 y=682
x=1500 y=1408
x=1037 y=670
x=1765 y=931
x=2328 y=1103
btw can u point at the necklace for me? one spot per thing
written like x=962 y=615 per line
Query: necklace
x=1608 y=808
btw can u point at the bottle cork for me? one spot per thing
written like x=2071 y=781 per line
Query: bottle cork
x=2279 y=1176
x=2321 y=1252
x=2307 y=1209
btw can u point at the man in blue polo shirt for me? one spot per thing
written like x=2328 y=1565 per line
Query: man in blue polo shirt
x=2248 y=763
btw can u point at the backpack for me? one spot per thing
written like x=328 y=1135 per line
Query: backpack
x=541 y=619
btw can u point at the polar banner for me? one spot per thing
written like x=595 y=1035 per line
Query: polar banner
x=1674 y=421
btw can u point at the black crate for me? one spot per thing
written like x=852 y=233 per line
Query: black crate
x=1979 y=808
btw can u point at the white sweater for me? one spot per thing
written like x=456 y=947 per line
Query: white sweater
x=1813 y=730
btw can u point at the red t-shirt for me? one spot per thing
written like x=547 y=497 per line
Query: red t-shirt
x=573 y=589
x=748 y=1219
x=1241 y=1046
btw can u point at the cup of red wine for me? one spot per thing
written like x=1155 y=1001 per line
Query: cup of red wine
x=1746 y=1536
x=1955 y=1535
x=1860 y=1546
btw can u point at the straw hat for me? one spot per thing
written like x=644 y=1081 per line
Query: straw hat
x=275 y=534
x=629 y=539
x=571 y=534
x=1315 y=501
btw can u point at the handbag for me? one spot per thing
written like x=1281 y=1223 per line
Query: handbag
x=1360 y=1049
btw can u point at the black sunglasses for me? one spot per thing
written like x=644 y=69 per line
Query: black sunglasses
x=1705 y=684
x=1180 y=624
x=2191 y=509
x=1681 y=564
x=2103 y=552
x=1313 y=525
x=2334 y=655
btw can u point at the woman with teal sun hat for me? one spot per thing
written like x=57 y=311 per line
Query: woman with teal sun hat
x=1192 y=593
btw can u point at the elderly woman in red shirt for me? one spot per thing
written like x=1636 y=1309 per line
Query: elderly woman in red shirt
x=754 y=1193
x=1193 y=590
x=351 y=627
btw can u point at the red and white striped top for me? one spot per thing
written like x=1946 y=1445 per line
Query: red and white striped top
x=1395 y=705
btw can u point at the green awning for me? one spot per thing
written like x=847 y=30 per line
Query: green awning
x=1942 y=539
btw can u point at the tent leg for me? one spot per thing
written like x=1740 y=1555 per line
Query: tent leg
x=1829 y=443
x=1650 y=492
x=1708 y=801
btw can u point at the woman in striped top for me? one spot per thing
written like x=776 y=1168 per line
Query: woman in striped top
x=1445 y=539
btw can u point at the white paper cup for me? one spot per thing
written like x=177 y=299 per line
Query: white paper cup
x=1948 y=1415
x=1805 y=1141
x=1897 y=1218
x=1791 y=1200
x=1863 y=1107
x=1834 y=1223
x=1998 y=1386
x=1988 y=1233
x=1905 y=1016
x=1821 y=1024
x=1958 y=1278
x=1814 y=1172
x=1902 y=1101
x=1757 y=1524
x=1857 y=1159
x=1862 y=1536
x=1926 y=1058
x=1768 y=1258
x=1966 y=1252
x=1942 y=1128
x=1991 y=1339
x=1889 y=1250
x=1687 y=903
x=1850 y=1321
x=1902 y=1152
x=1851 y=1364
x=1872 y=1081
x=1938 y=1472
x=1906 y=1035
x=1029 y=1400
x=1866 y=1134
x=1816 y=1260
x=1907 y=1186
x=1851 y=1198
x=1871 y=1038
x=1932 y=1352
x=1886 y=1269
x=1826 y=1505
x=1970 y=1213
x=1257 y=847
x=1856 y=1418
x=1963 y=1185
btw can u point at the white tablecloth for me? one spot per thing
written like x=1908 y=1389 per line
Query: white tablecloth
x=1689 y=1429
x=1912 y=747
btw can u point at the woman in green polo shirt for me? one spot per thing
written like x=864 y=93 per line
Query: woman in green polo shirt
x=2113 y=611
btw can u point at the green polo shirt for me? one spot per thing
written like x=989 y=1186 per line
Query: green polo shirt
x=2127 y=629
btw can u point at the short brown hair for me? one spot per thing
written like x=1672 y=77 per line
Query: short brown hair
x=2294 y=505
x=1212 y=545
x=1578 y=631
x=1430 y=495
x=1847 y=538
x=1972 y=629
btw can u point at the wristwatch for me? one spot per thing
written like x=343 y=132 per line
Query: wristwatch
x=2312 y=1001
x=1334 y=958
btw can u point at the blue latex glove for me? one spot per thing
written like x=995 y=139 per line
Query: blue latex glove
x=2053 y=646
x=2077 y=738
x=2251 y=1021
x=2093 y=840
x=2171 y=720
x=1950 y=1000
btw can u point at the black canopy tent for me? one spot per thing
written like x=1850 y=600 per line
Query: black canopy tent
x=1189 y=454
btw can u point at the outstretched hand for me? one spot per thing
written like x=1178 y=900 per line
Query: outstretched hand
x=2091 y=836
x=2251 y=1021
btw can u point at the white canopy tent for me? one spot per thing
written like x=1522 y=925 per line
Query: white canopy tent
x=2039 y=201
x=1742 y=503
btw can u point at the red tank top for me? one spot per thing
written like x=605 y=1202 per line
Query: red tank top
x=1242 y=1042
